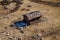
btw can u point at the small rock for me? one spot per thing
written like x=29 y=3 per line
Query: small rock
x=22 y=31
x=28 y=5
x=42 y=30
x=7 y=34
x=5 y=27
x=27 y=10
x=19 y=38
x=23 y=9
x=4 y=33
x=10 y=38
x=5 y=16
x=39 y=34
x=34 y=37
x=11 y=25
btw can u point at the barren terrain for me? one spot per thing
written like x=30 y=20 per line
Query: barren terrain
x=49 y=26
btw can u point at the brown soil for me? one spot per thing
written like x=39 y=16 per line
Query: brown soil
x=49 y=27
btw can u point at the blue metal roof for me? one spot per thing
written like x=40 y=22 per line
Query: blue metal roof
x=20 y=24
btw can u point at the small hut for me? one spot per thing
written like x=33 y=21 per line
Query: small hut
x=29 y=18
x=32 y=16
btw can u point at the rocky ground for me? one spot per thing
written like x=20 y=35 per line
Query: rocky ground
x=48 y=27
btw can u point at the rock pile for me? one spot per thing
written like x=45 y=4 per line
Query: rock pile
x=11 y=6
x=48 y=2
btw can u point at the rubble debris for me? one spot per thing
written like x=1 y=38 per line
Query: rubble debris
x=3 y=12
x=35 y=37
x=57 y=4
x=5 y=3
x=5 y=16
x=50 y=31
x=18 y=1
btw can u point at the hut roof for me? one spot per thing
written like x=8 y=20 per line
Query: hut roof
x=33 y=15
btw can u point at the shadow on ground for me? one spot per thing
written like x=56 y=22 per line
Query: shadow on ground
x=47 y=3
